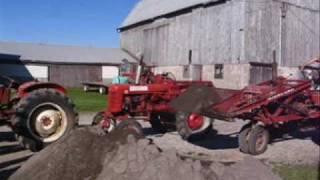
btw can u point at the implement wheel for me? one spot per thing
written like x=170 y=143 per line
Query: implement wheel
x=243 y=138
x=192 y=126
x=258 y=140
x=44 y=116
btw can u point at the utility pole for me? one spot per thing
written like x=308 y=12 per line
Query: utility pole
x=282 y=32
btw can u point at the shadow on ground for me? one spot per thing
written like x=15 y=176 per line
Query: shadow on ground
x=215 y=141
x=10 y=149
x=14 y=162
x=9 y=167
x=9 y=146
x=7 y=136
x=312 y=134
x=5 y=174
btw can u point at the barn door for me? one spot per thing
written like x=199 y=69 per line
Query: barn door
x=155 y=44
x=74 y=75
x=260 y=72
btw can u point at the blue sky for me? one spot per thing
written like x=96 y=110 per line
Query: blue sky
x=72 y=22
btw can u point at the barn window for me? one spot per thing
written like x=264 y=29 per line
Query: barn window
x=218 y=71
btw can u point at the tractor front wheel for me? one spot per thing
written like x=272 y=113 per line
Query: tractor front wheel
x=192 y=126
x=132 y=126
x=99 y=120
x=44 y=116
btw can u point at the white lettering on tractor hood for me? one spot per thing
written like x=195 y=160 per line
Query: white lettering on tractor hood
x=138 y=88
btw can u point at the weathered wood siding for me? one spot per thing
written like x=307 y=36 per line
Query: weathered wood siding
x=74 y=75
x=237 y=31
x=211 y=35
x=300 y=31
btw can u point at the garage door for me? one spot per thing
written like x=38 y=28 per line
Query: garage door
x=260 y=72
x=74 y=75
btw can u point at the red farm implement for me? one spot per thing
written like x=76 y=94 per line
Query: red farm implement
x=147 y=99
x=268 y=105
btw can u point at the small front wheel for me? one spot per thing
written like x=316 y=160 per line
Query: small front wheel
x=131 y=125
x=99 y=120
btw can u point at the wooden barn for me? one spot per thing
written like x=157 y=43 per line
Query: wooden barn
x=66 y=65
x=231 y=42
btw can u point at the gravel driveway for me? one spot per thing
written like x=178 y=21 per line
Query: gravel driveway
x=222 y=145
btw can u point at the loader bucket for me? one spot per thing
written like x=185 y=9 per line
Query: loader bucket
x=195 y=99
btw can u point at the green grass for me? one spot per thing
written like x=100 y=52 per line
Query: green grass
x=88 y=101
x=288 y=172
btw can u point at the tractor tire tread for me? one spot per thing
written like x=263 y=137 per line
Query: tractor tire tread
x=35 y=97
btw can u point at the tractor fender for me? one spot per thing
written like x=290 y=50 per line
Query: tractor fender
x=28 y=87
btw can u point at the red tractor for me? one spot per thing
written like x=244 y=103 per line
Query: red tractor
x=146 y=99
x=38 y=113
x=269 y=105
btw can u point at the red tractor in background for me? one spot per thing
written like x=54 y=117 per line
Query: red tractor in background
x=147 y=99
x=38 y=113
x=269 y=106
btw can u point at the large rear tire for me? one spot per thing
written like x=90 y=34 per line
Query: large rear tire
x=188 y=133
x=44 y=116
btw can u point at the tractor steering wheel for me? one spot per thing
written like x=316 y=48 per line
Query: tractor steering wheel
x=169 y=76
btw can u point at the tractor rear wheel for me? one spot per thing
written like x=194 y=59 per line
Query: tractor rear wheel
x=191 y=126
x=258 y=140
x=131 y=125
x=160 y=122
x=44 y=116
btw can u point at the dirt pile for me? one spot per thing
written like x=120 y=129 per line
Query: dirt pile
x=122 y=155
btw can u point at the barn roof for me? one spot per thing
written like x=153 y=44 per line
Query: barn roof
x=44 y=53
x=151 y=9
